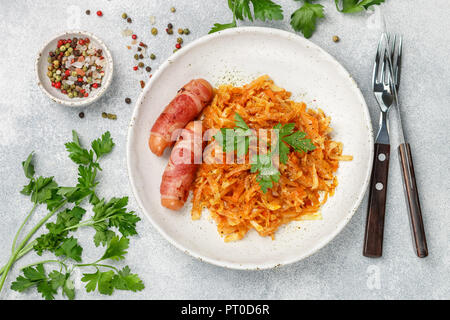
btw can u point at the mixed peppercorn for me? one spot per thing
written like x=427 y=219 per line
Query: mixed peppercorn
x=76 y=67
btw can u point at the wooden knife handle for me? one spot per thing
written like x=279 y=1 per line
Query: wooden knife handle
x=373 y=238
x=412 y=200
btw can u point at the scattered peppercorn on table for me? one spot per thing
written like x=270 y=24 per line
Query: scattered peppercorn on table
x=143 y=34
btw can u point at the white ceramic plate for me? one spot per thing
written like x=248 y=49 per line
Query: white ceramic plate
x=238 y=56
x=55 y=94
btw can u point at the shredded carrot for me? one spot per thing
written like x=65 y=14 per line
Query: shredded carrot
x=230 y=191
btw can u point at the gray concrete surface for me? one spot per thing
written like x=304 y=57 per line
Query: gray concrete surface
x=30 y=121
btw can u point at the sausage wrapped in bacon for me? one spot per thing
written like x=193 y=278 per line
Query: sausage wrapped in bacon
x=182 y=167
x=185 y=107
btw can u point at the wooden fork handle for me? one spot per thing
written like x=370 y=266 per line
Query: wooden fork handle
x=412 y=200
x=373 y=237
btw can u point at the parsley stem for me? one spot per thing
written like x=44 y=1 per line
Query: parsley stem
x=82 y=224
x=16 y=252
x=21 y=253
x=40 y=223
x=44 y=262
x=96 y=265
x=21 y=227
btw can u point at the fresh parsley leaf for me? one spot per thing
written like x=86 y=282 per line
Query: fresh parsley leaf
x=57 y=279
x=46 y=289
x=55 y=200
x=267 y=10
x=28 y=189
x=117 y=249
x=115 y=213
x=57 y=234
x=103 y=235
x=69 y=288
x=125 y=280
x=239 y=122
x=62 y=280
x=70 y=249
x=21 y=284
x=103 y=145
x=219 y=27
x=86 y=177
x=267 y=172
x=263 y=10
x=35 y=277
x=287 y=136
x=42 y=189
x=241 y=9
x=49 y=242
x=236 y=139
x=352 y=6
x=102 y=280
x=298 y=142
x=28 y=167
x=282 y=149
x=78 y=154
x=31 y=277
x=305 y=18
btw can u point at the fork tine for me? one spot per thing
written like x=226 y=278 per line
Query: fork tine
x=378 y=59
x=398 y=63
x=384 y=76
x=377 y=63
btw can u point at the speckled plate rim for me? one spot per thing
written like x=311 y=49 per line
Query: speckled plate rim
x=105 y=83
x=186 y=50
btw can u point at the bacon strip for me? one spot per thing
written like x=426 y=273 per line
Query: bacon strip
x=186 y=106
x=182 y=167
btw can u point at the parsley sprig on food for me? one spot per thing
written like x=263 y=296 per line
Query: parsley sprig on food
x=238 y=139
x=303 y=19
x=110 y=219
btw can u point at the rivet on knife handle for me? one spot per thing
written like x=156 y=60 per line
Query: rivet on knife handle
x=373 y=238
x=412 y=200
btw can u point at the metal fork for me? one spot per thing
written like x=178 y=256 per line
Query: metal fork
x=383 y=90
x=405 y=157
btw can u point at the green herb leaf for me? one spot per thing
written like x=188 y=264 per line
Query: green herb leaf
x=70 y=249
x=31 y=277
x=305 y=18
x=267 y=10
x=35 y=277
x=125 y=280
x=117 y=249
x=115 y=213
x=263 y=10
x=42 y=189
x=86 y=177
x=219 y=27
x=103 y=145
x=69 y=288
x=352 y=6
x=267 y=172
x=46 y=290
x=287 y=136
x=298 y=142
x=78 y=154
x=236 y=139
x=28 y=167
x=102 y=280
x=241 y=9
x=103 y=235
